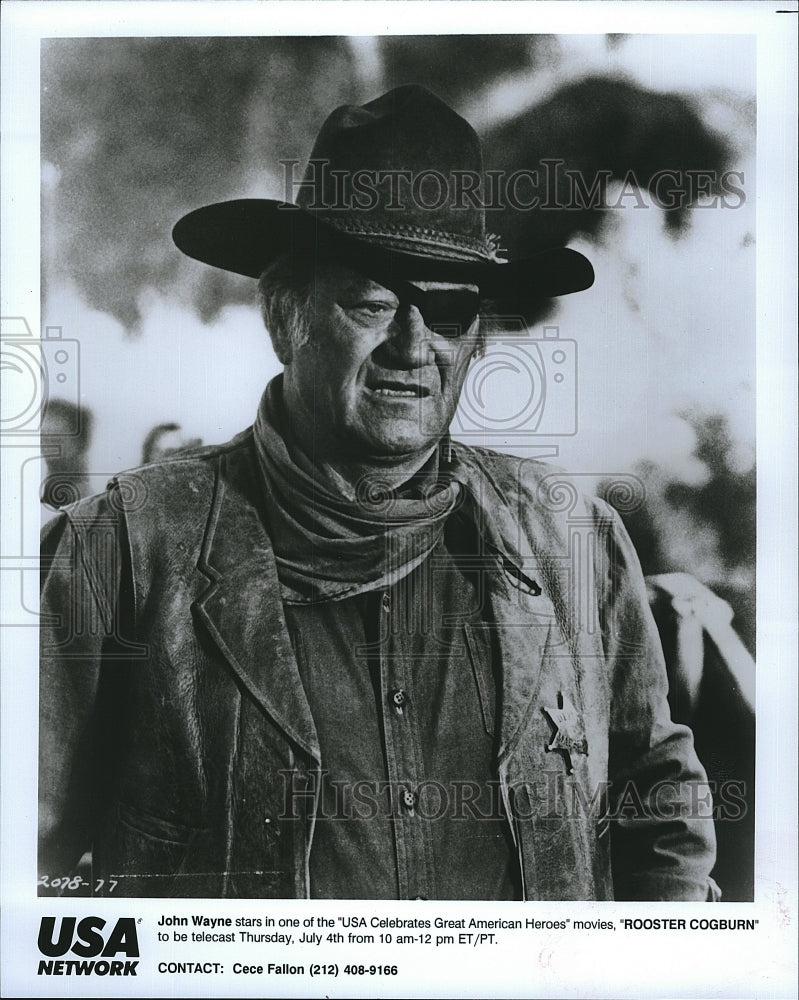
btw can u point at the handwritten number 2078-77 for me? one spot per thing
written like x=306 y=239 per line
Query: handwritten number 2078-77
x=71 y=883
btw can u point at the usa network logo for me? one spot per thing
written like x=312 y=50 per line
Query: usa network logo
x=96 y=946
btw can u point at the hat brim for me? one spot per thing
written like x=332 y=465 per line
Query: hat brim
x=245 y=235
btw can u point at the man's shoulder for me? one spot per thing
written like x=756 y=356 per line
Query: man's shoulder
x=191 y=467
x=173 y=487
x=543 y=485
x=504 y=467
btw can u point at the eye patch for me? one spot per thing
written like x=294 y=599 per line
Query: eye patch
x=447 y=312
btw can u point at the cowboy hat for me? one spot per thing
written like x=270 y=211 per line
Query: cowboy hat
x=392 y=187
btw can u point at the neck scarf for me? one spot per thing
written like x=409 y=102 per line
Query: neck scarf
x=329 y=545
x=331 y=542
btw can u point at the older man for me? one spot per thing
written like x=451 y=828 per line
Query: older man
x=342 y=655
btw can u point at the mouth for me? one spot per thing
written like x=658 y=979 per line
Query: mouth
x=398 y=389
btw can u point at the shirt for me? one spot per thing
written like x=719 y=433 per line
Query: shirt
x=401 y=686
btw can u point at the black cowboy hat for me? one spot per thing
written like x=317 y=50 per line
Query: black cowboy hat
x=392 y=188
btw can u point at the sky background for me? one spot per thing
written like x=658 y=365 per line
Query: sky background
x=136 y=132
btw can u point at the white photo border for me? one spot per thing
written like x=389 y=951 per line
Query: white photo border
x=621 y=964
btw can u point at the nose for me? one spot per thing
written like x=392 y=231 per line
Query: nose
x=408 y=343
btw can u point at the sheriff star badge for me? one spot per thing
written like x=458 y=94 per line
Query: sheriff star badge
x=569 y=734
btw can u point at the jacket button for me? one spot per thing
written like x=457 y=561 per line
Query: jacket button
x=408 y=799
x=386 y=602
x=398 y=700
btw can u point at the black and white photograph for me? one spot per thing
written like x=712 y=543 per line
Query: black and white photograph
x=396 y=430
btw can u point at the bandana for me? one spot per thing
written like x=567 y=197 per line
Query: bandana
x=332 y=541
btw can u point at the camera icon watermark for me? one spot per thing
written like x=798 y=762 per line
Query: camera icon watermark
x=523 y=386
x=34 y=372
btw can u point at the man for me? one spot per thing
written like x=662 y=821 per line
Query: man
x=342 y=655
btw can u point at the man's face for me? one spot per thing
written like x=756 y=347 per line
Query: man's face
x=375 y=381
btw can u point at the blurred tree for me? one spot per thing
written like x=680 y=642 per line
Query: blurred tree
x=728 y=498
x=706 y=528
x=607 y=128
x=138 y=131
x=454 y=66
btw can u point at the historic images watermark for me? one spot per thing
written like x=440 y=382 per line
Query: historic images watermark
x=551 y=186
x=552 y=795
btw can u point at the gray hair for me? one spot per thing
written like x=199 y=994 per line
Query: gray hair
x=285 y=296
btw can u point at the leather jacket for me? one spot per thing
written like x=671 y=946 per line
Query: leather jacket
x=173 y=717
